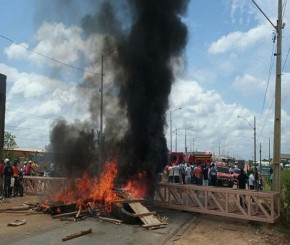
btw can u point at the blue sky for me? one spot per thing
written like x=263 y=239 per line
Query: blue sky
x=228 y=70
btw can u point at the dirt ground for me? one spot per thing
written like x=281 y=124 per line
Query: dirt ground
x=204 y=229
x=210 y=229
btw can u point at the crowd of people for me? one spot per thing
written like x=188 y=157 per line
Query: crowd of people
x=11 y=177
x=204 y=173
x=185 y=173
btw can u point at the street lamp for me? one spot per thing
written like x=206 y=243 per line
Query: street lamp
x=170 y=119
x=176 y=138
x=254 y=128
x=193 y=142
x=185 y=147
x=104 y=56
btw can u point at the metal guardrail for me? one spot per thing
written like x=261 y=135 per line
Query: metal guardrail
x=236 y=203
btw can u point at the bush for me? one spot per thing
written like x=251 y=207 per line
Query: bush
x=285 y=193
x=285 y=181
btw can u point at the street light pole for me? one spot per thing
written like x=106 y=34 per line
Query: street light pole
x=102 y=98
x=185 y=146
x=102 y=88
x=255 y=144
x=175 y=131
x=193 y=143
x=170 y=119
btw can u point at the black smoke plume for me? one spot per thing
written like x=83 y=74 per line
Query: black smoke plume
x=157 y=35
x=145 y=41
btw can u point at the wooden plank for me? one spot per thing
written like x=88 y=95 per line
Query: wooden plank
x=78 y=234
x=128 y=201
x=138 y=208
x=144 y=214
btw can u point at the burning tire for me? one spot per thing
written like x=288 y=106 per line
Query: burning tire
x=123 y=212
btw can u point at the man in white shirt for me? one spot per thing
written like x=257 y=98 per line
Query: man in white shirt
x=188 y=172
x=251 y=181
x=176 y=173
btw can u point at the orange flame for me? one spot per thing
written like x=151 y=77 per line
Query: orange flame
x=88 y=191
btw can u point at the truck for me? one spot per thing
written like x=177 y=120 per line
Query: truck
x=224 y=177
x=176 y=156
x=191 y=158
x=199 y=157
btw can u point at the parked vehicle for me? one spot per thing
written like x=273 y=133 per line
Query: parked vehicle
x=236 y=173
x=224 y=177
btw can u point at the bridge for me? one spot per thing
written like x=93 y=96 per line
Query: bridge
x=263 y=206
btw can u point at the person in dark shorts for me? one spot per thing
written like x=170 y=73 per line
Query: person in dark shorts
x=242 y=181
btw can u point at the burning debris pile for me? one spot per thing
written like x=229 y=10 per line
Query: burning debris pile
x=90 y=197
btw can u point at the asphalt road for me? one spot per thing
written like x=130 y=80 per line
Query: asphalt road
x=106 y=233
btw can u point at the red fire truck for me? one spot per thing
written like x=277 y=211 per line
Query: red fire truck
x=191 y=158
x=199 y=157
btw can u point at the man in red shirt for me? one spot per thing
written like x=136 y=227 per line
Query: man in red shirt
x=197 y=172
x=16 y=172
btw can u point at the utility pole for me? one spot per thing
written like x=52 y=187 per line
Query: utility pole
x=277 y=118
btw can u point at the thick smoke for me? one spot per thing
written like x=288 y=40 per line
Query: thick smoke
x=73 y=147
x=157 y=35
x=145 y=42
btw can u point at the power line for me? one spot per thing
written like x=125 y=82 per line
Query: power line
x=285 y=59
x=284 y=7
x=29 y=114
x=270 y=72
x=32 y=139
x=266 y=119
x=14 y=126
x=49 y=58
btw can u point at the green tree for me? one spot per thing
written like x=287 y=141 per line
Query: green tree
x=9 y=141
x=9 y=144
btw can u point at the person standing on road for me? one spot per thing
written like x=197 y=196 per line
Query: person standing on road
x=257 y=178
x=251 y=181
x=242 y=182
x=205 y=175
x=188 y=173
x=170 y=173
x=7 y=174
x=213 y=175
x=197 y=172
x=16 y=173
x=176 y=173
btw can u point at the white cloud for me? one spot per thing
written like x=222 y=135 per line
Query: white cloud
x=59 y=42
x=238 y=41
x=17 y=52
x=248 y=85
